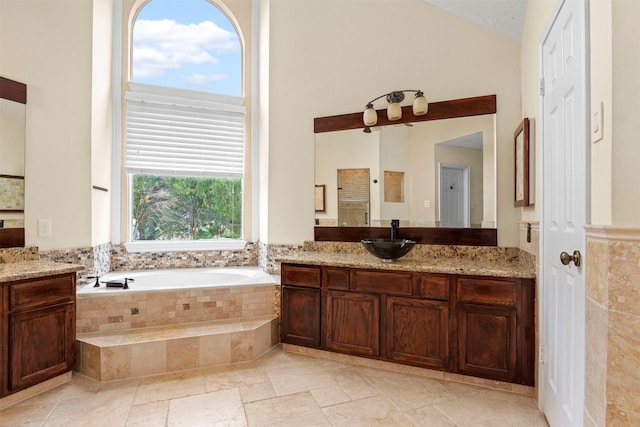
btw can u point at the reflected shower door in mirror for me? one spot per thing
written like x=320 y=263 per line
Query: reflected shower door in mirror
x=13 y=99
x=438 y=173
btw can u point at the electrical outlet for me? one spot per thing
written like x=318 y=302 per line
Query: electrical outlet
x=427 y=203
x=44 y=228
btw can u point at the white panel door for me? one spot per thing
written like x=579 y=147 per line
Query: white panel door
x=564 y=214
x=454 y=196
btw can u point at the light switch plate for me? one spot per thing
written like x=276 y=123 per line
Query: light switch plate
x=44 y=228
x=597 y=122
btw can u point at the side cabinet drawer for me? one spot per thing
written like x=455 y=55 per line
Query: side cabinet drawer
x=381 y=282
x=434 y=287
x=487 y=290
x=336 y=278
x=41 y=291
x=300 y=275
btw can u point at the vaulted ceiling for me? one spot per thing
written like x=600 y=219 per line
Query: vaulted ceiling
x=505 y=17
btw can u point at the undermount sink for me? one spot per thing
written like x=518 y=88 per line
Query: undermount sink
x=388 y=249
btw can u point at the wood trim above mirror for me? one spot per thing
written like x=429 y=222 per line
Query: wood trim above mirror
x=13 y=90
x=464 y=107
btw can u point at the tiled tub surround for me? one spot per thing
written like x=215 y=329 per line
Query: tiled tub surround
x=113 y=311
x=612 y=328
x=129 y=333
x=140 y=352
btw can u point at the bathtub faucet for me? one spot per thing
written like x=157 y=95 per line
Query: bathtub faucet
x=97 y=284
x=126 y=282
x=119 y=283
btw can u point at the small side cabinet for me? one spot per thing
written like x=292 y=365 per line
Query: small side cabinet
x=38 y=330
x=301 y=306
x=495 y=328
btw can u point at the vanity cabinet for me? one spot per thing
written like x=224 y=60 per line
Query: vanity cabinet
x=38 y=330
x=353 y=323
x=418 y=331
x=495 y=328
x=301 y=306
x=473 y=325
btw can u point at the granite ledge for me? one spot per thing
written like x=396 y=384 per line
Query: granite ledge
x=13 y=271
x=434 y=265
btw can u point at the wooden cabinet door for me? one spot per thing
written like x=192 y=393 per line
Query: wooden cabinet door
x=418 y=331
x=41 y=344
x=353 y=323
x=300 y=316
x=487 y=340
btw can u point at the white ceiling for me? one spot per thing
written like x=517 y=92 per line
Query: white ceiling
x=505 y=17
x=472 y=141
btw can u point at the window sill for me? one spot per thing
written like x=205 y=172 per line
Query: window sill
x=191 y=245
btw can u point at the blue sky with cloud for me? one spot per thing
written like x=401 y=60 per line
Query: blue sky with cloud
x=188 y=44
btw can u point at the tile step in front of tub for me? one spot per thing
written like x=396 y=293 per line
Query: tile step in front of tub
x=133 y=353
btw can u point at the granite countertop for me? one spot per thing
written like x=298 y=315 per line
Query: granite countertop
x=13 y=271
x=495 y=268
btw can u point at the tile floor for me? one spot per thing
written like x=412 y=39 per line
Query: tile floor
x=280 y=389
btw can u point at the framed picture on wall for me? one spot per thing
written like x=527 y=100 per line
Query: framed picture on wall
x=319 y=198
x=522 y=174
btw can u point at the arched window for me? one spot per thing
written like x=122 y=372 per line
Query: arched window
x=185 y=124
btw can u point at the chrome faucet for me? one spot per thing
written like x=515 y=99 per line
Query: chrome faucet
x=395 y=224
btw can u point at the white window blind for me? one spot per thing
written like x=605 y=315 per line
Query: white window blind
x=182 y=132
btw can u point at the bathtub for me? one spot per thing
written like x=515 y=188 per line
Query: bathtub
x=180 y=279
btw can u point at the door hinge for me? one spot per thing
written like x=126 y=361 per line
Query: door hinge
x=541 y=353
x=541 y=88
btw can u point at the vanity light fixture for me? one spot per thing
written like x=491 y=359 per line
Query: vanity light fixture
x=394 y=111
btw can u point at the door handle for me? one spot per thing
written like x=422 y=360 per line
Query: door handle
x=565 y=258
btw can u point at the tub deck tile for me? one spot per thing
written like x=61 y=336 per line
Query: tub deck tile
x=125 y=354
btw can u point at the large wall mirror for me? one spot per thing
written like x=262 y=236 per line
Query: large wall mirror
x=435 y=173
x=13 y=99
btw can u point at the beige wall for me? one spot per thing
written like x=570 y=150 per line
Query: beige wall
x=331 y=57
x=537 y=17
x=101 y=121
x=312 y=66
x=626 y=106
x=601 y=92
x=47 y=44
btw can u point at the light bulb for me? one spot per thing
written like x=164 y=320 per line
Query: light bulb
x=394 y=111
x=420 y=105
x=370 y=117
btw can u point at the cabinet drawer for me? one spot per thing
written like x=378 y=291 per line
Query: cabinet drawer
x=487 y=291
x=300 y=276
x=434 y=287
x=381 y=282
x=41 y=291
x=336 y=278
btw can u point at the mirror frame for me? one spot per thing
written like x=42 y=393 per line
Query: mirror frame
x=463 y=107
x=13 y=91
